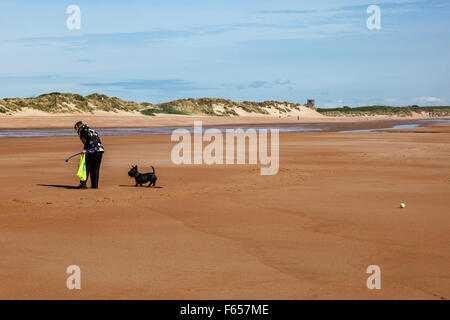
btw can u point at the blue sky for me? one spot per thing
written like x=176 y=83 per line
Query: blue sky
x=158 y=51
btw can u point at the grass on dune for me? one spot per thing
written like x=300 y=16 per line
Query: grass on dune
x=56 y=102
x=167 y=110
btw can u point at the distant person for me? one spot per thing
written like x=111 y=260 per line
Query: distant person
x=90 y=140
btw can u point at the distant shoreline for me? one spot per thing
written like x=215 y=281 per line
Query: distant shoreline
x=309 y=125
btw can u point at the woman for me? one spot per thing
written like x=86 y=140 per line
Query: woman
x=91 y=141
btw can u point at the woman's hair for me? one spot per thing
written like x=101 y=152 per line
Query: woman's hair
x=78 y=126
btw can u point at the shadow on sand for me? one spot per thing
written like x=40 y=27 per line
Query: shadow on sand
x=133 y=186
x=57 y=186
x=72 y=187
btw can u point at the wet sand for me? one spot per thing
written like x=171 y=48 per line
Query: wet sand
x=297 y=126
x=224 y=232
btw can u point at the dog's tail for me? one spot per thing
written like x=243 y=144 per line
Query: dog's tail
x=153 y=169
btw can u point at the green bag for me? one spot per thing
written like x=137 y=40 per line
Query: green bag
x=82 y=168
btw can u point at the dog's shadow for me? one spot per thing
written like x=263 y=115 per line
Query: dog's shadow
x=72 y=187
x=133 y=186
x=57 y=186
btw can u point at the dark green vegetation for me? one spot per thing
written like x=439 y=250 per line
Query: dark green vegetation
x=385 y=110
x=167 y=110
x=74 y=103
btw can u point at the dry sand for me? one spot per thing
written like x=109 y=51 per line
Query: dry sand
x=221 y=232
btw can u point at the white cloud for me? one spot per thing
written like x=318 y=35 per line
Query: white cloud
x=283 y=82
x=428 y=99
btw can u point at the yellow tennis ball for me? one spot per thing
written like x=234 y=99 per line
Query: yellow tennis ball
x=402 y=205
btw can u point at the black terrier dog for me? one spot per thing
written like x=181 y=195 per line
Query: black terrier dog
x=142 y=178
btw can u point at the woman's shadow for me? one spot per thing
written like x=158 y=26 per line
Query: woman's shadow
x=57 y=186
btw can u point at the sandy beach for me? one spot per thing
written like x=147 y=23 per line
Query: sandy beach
x=226 y=232
x=38 y=119
x=301 y=149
